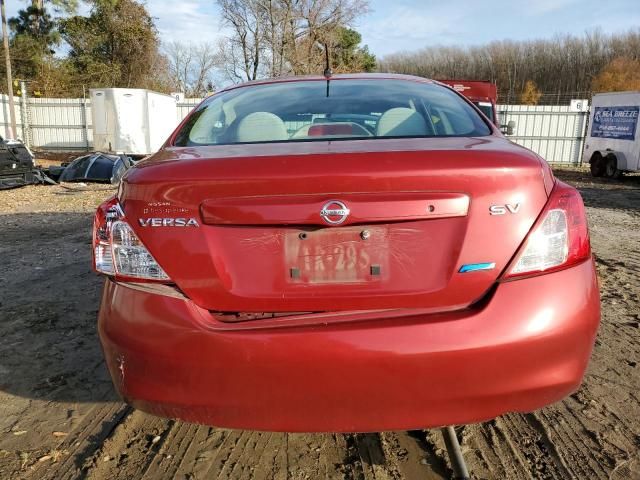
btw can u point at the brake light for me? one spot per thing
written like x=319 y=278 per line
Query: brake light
x=558 y=239
x=117 y=250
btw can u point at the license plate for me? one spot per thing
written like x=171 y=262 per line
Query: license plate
x=337 y=255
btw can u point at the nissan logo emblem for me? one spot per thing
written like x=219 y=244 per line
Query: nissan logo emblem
x=334 y=212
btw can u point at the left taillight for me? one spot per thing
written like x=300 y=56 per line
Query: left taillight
x=558 y=239
x=117 y=250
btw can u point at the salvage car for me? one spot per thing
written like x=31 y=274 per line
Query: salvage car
x=95 y=167
x=345 y=253
x=16 y=164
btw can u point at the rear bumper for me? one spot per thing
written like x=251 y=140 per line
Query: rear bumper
x=528 y=346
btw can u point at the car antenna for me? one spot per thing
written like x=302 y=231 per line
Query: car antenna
x=327 y=68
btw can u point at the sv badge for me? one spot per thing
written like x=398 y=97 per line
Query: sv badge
x=502 y=209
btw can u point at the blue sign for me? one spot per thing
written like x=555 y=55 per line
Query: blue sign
x=615 y=122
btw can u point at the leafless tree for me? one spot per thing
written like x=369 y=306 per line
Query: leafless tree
x=231 y=61
x=562 y=67
x=191 y=66
x=247 y=41
x=281 y=37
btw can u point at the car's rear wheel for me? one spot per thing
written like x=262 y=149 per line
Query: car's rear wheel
x=611 y=167
x=597 y=166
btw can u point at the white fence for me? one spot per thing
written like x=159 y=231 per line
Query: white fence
x=554 y=132
x=59 y=123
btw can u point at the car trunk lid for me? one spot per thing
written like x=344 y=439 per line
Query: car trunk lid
x=326 y=227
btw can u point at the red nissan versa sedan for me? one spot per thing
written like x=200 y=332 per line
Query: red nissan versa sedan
x=359 y=253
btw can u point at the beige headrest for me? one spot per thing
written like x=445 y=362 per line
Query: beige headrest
x=261 y=127
x=400 y=122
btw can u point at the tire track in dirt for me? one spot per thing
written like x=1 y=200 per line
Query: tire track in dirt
x=488 y=453
x=372 y=458
x=261 y=455
x=130 y=448
x=413 y=456
x=597 y=451
x=146 y=447
x=177 y=452
x=82 y=442
x=522 y=450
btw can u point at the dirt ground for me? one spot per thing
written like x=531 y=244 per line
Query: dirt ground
x=60 y=418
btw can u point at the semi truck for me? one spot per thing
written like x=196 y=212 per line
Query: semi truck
x=613 y=137
x=483 y=94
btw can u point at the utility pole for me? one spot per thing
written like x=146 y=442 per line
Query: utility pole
x=24 y=114
x=5 y=40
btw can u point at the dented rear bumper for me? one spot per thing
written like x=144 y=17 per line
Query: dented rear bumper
x=527 y=346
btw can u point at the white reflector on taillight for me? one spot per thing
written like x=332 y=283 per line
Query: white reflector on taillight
x=103 y=258
x=130 y=257
x=547 y=247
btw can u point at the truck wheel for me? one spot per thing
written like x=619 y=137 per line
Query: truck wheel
x=596 y=165
x=611 y=167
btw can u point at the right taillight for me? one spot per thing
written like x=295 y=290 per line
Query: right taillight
x=558 y=239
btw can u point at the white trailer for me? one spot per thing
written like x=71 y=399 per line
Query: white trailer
x=613 y=139
x=131 y=120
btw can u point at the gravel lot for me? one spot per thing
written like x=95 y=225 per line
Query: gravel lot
x=60 y=418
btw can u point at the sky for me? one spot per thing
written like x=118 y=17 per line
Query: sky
x=406 y=25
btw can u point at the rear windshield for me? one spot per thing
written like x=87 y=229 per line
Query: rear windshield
x=340 y=109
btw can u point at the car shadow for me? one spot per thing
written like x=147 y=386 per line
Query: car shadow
x=48 y=309
x=610 y=198
x=619 y=194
